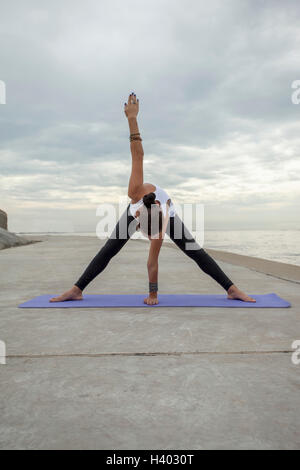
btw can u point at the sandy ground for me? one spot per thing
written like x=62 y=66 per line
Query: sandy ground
x=169 y=378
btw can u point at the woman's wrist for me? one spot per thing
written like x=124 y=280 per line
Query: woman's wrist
x=132 y=120
x=133 y=125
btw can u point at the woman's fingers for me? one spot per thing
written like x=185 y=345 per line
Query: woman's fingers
x=131 y=108
x=150 y=301
x=132 y=99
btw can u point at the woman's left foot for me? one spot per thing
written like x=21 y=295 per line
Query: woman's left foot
x=235 y=293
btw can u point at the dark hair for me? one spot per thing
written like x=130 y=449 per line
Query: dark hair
x=150 y=211
x=149 y=199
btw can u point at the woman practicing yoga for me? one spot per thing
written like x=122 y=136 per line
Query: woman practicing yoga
x=151 y=211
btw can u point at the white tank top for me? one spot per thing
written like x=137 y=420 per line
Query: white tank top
x=161 y=196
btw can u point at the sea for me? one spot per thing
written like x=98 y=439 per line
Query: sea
x=275 y=245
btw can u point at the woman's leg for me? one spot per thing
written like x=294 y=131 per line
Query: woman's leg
x=191 y=248
x=185 y=241
x=119 y=237
x=113 y=245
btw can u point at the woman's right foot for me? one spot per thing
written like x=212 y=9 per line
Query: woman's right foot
x=73 y=294
x=235 y=293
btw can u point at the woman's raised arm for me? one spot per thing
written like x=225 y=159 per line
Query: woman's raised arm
x=135 y=187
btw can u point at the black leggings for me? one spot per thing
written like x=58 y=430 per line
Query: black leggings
x=176 y=231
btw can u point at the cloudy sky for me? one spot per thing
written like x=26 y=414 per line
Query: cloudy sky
x=214 y=81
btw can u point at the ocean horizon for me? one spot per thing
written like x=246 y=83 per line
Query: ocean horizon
x=274 y=245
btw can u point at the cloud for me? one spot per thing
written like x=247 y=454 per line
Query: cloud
x=216 y=117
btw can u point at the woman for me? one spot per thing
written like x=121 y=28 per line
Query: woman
x=151 y=211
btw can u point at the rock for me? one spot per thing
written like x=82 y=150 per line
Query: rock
x=3 y=219
x=8 y=239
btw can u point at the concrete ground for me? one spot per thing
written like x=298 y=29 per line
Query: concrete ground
x=144 y=378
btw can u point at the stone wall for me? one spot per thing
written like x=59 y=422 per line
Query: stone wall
x=3 y=219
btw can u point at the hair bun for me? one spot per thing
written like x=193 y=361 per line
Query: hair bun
x=149 y=199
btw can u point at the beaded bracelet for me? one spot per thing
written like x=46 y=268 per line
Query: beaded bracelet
x=133 y=137
x=153 y=286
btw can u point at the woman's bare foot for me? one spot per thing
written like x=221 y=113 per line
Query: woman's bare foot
x=235 y=293
x=73 y=294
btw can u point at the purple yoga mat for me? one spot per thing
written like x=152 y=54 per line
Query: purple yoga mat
x=165 y=300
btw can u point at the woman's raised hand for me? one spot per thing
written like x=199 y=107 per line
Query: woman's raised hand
x=131 y=108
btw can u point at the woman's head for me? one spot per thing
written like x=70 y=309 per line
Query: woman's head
x=150 y=216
